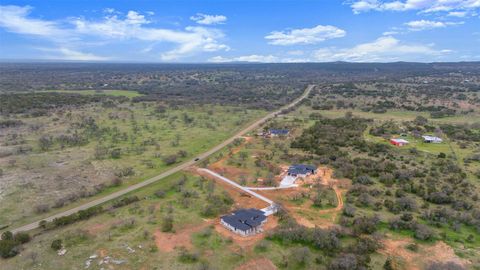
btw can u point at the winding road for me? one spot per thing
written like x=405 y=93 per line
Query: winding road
x=169 y=172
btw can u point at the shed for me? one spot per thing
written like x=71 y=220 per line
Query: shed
x=431 y=139
x=399 y=142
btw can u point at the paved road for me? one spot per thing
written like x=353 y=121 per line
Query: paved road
x=272 y=188
x=230 y=182
x=180 y=167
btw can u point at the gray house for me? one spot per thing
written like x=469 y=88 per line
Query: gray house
x=244 y=221
x=301 y=170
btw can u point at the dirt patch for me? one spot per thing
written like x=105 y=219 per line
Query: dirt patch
x=257 y=264
x=97 y=228
x=323 y=174
x=102 y=252
x=167 y=242
x=304 y=214
x=247 y=242
x=426 y=254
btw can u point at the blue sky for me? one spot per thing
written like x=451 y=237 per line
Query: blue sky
x=233 y=30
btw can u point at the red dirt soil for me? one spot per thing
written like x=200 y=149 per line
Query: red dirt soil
x=257 y=264
x=325 y=176
x=167 y=242
x=439 y=252
x=97 y=228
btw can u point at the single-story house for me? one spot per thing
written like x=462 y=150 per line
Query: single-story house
x=245 y=222
x=431 y=139
x=398 y=142
x=301 y=170
x=278 y=132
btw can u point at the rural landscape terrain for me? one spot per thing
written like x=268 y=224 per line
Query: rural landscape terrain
x=144 y=166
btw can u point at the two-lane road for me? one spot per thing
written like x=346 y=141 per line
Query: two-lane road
x=169 y=172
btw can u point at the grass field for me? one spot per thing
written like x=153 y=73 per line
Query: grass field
x=396 y=115
x=143 y=137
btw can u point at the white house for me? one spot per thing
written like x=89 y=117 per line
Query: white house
x=431 y=139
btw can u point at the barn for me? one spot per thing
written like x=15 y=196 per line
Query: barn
x=398 y=142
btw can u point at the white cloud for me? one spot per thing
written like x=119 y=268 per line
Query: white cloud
x=427 y=25
x=109 y=10
x=63 y=53
x=390 y=33
x=359 y=6
x=382 y=49
x=459 y=14
x=313 y=35
x=134 y=17
x=189 y=41
x=112 y=28
x=205 y=19
x=14 y=19
x=296 y=52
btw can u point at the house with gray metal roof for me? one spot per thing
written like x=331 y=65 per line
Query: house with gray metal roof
x=301 y=170
x=245 y=221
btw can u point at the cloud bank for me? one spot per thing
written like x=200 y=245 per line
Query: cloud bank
x=313 y=35
x=71 y=32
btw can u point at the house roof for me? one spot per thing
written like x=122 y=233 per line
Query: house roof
x=399 y=140
x=301 y=169
x=245 y=219
x=431 y=138
x=279 y=131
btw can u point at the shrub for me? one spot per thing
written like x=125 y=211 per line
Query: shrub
x=365 y=224
x=22 y=237
x=56 y=244
x=160 y=193
x=8 y=248
x=413 y=247
x=262 y=246
x=423 y=232
x=41 y=208
x=344 y=262
x=116 y=181
x=167 y=224
x=8 y=235
x=170 y=159
x=444 y=266
x=10 y=244
x=187 y=257
x=125 y=201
